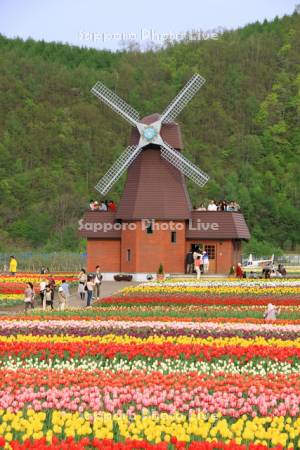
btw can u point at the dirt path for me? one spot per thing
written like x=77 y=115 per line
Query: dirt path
x=108 y=288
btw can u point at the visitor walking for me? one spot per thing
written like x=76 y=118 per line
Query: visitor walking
x=89 y=287
x=51 y=283
x=98 y=281
x=205 y=262
x=197 y=264
x=66 y=289
x=189 y=262
x=48 y=298
x=201 y=264
x=13 y=264
x=271 y=312
x=43 y=285
x=28 y=297
x=61 y=299
x=82 y=278
x=196 y=254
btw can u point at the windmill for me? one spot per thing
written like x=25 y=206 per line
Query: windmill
x=150 y=134
x=155 y=222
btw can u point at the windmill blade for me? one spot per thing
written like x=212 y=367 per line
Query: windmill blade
x=118 y=168
x=184 y=165
x=116 y=103
x=182 y=99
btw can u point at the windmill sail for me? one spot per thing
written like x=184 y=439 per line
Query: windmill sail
x=116 y=103
x=118 y=168
x=184 y=165
x=182 y=99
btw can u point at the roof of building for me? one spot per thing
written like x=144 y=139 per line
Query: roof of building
x=154 y=190
x=202 y=225
x=99 y=224
x=170 y=132
x=217 y=225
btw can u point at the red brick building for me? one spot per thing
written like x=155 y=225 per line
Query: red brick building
x=130 y=247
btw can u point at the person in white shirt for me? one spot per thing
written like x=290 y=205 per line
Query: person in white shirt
x=43 y=285
x=102 y=207
x=205 y=262
x=66 y=289
x=82 y=278
x=272 y=312
x=92 y=205
x=212 y=206
x=196 y=253
x=236 y=206
x=61 y=299
x=98 y=281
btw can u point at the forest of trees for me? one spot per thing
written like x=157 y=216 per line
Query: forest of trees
x=243 y=128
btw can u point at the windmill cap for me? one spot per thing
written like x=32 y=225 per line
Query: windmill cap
x=170 y=132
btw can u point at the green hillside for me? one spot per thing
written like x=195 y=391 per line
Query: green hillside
x=243 y=128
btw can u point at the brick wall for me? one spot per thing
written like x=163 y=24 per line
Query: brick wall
x=129 y=244
x=105 y=253
x=149 y=250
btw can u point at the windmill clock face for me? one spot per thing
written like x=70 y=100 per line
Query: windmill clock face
x=149 y=133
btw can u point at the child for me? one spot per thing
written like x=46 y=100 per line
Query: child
x=48 y=300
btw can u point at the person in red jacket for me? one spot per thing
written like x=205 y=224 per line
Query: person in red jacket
x=239 y=271
x=112 y=206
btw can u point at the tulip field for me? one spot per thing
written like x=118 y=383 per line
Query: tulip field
x=167 y=365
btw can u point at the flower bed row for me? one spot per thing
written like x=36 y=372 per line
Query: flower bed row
x=188 y=299
x=212 y=291
x=221 y=366
x=129 y=444
x=217 y=288
x=196 y=352
x=134 y=313
x=178 y=429
x=25 y=277
x=144 y=329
